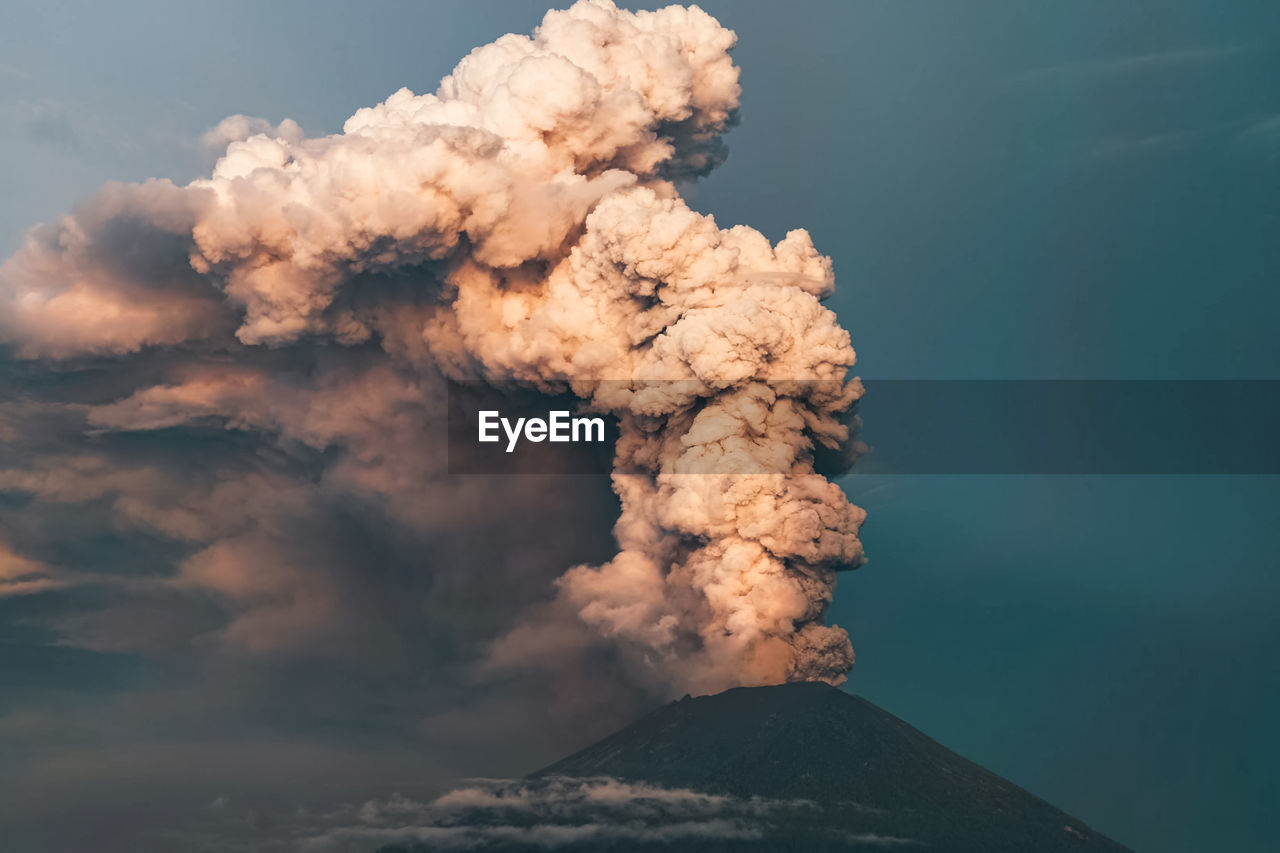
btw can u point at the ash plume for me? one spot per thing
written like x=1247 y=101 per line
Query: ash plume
x=521 y=225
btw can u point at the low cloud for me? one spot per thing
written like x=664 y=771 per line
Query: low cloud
x=552 y=813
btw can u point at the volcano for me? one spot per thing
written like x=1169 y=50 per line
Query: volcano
x=793 y=767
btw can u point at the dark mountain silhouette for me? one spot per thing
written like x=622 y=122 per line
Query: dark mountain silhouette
x=794 y=767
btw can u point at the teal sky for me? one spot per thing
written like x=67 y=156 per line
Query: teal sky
x=1008 y=190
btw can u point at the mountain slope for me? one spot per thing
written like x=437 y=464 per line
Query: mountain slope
x=795 y=767
x=811 y=741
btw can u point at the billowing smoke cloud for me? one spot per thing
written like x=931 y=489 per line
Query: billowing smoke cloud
x=522 y=224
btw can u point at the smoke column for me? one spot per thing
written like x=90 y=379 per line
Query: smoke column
x=522 y=224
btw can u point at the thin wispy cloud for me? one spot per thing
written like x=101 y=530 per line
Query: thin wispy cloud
x=1260 y=140
x=1255 y=136
x=22 y=576
x=48 y=122
x=1159 y=61
x=1138 y=145
x=1265 y=130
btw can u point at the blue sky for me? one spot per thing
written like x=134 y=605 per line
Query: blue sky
x=1008 y=190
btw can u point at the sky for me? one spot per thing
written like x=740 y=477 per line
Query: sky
x=1067 y=190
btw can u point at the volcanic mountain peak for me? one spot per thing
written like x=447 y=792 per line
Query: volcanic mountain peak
x=810 y=741
x=795 y=767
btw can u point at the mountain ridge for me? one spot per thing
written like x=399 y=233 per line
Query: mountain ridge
x=808 y=740
x=801 y=767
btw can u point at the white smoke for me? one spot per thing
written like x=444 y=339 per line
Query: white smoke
x=521 y=224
